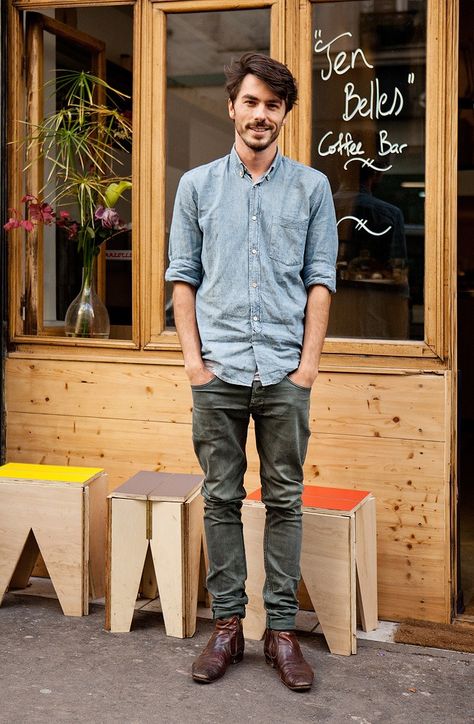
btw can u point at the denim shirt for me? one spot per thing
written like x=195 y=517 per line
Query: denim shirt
x=252 y=249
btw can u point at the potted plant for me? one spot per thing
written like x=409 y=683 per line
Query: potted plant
x=81 y=141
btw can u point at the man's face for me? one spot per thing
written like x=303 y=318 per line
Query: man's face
x=258 y=114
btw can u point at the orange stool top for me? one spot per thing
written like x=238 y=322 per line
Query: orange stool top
x=315 y=496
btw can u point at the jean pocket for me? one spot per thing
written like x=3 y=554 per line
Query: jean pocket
x=298 y=387
x=206 y=384
x=288 y=240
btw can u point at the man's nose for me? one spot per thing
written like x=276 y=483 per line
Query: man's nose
x=260 y=113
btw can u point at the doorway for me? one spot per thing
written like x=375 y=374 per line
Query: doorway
x=3 y=214
x=465 y=310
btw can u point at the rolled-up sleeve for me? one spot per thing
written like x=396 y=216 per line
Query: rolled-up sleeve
x=321 y=241
x=185 y=244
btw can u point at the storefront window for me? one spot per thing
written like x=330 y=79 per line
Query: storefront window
x=198 y=127
x=97 y=41
x=368 y=136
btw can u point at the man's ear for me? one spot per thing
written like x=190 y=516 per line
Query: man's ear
x=284 y=120
x=230 y=107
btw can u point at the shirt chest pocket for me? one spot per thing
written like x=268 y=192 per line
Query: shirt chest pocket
x=288 y=240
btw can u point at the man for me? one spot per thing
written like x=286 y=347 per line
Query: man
x=252 y=256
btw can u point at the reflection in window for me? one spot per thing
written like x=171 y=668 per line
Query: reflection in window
x=368 y=136
x=198 y=126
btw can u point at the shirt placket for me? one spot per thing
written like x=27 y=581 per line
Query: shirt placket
x=254 y=258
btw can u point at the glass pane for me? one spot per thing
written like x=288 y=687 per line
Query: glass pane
x=61 y=261
x=198 y=127
x=368 y=136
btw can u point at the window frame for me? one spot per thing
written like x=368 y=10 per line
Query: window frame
x=24 y=50
x=290 y=22
x=36 y=25
x=155 y=334
x=440 y=182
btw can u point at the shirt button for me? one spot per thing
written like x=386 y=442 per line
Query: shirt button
x=254 y=284
x=254 y=251
x=254 y=218
x=241 y=173
x=255 y=319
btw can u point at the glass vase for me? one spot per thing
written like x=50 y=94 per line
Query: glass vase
x=87 y=315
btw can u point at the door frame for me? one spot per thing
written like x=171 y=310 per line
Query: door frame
x=3 y=215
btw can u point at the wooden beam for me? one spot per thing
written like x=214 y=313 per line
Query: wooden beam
x=40 y=4
x=34 y=177
x=409 y=407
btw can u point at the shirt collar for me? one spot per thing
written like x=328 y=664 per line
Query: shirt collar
x=241 y=169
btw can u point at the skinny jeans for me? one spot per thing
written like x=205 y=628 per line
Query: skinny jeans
x=221 y=415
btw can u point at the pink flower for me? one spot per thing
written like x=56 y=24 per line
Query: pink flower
x=12 y=223
x=41 y=212
x=15 y=221
x=108 y=217
x=72 y=230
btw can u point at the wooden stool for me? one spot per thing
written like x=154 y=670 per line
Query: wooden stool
x=338 y=559
x=159 y=515
x=58 y=511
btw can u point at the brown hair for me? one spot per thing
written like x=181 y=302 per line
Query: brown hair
x=270 y=71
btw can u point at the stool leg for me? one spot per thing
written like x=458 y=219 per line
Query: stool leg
x=127 y=549
x=206 y=596
x=97 y=492
x=59 y=527
x=366 y=563
x=328 y=570
x=253 y=519
x=193 y=511
x=167 y=550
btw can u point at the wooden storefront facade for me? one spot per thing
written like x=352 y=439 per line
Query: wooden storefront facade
x=384 y=409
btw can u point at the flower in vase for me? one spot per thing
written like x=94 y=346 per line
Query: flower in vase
x=42 y=213
x=109 y=218
x=15 y=223
x=82 y=141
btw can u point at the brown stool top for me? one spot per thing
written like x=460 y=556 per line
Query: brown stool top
x=149 y=485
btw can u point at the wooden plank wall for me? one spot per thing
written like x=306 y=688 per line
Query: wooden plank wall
x=381 y=432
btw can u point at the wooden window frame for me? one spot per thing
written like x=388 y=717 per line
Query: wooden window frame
x=440 y=180
x=36 y=25
x=290 y=22
x=155 y=334
x=23 y=66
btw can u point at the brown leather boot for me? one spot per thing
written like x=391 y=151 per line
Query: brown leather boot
x=226 y=646
x=282 y=651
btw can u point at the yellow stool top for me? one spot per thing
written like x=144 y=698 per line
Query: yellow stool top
x=53 y=473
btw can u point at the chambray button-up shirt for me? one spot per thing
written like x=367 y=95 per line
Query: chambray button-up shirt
x=252 y=249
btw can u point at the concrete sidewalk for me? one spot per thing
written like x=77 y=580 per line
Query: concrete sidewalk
x=58 y=669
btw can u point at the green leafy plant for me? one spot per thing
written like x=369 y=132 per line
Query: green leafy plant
x=81 y=141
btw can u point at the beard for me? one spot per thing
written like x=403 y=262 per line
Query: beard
x=256 y=143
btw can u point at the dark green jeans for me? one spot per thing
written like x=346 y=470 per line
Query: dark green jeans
x=221 y=415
